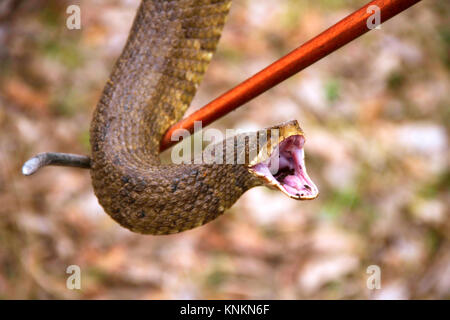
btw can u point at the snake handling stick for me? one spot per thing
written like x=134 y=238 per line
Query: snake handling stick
x=343 y=32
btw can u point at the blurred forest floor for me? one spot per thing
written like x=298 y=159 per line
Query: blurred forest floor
x=375 y=113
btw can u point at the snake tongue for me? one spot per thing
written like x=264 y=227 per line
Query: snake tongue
x=290 y=177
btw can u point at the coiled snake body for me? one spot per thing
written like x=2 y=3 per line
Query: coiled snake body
x=151 y=86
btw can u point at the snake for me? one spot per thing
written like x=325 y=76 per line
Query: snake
x=151 y=85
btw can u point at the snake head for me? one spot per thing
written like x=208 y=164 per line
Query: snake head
x=280 y=162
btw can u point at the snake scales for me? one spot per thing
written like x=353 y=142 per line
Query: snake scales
x=150 y=87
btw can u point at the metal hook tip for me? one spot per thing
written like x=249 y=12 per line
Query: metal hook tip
x=30 y=166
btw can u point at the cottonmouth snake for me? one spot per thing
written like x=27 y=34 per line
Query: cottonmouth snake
x=151 y=86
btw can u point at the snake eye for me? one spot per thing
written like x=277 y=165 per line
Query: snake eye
x=286 y=171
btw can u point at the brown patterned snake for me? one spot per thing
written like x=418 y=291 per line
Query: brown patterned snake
x=151 y=86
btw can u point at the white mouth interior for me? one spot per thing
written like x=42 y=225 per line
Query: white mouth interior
x=286 y=170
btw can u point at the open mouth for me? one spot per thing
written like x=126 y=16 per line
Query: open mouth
x=286 y=171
